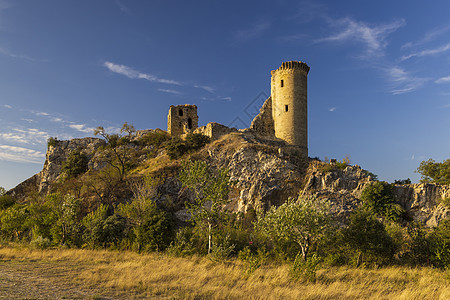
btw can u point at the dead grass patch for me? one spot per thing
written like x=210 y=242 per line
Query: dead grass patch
x=198 y=277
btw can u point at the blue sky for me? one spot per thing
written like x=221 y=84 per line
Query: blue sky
x=378 y=89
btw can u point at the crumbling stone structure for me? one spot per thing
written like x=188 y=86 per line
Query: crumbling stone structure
x=285 y=114
x=182 y=119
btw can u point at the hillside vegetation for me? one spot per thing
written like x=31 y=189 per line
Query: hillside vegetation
x=241 y=205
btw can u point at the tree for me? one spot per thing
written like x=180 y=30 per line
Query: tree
x=75 y=164
x=66 y=210
x=151 y=226
x=13 y=220
x=432 y=171
x=379 y=199
x=367 y=236
x=210 y=194
x=304 y=221
x=116 y=152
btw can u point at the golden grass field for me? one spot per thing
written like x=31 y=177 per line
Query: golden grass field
x=127 y=275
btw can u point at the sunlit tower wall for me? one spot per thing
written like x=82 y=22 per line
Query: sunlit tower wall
x=290 y=105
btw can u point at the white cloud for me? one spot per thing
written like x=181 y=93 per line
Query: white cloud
x=82 y=128
x=372 y=37
x=443 y=80
x=254 y=31
x=205 y=87
x=427 y=52
x=332 y=109
x=133 y=74
x=41 y=113
x=20 y=154
x=27 y=136
x=429 y=36
x=7 y=106
x=170 y=91
x=403 y=81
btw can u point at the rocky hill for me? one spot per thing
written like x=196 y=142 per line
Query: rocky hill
x=265 y=172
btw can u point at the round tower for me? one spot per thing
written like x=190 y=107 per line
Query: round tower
x=289 y=103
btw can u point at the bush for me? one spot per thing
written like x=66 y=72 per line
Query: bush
x=440 y=245
x=368 y=240
x=305 y=269
x=154 y=138
x=52 y=142
x=432 y=171
x=379 y=198
x=176 y=147
x=40 y=243
x=6 y=201
x=251 y=260
x=75 y=164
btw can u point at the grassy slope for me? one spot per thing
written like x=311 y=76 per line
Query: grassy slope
x=195 y=277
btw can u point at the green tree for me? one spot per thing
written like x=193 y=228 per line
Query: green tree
x=440 y=244
x=379 y=198
x=75 y=164
x=368 y=239
x=435 y=172
x=151 y=226
x=5 y=200
x=210 y=194
x=116 y=153
x=304 y=221
x=66 y=210
x=13 y=221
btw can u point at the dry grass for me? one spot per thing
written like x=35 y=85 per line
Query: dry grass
x=197 y=277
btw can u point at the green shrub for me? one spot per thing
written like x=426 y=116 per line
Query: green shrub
x=440 y=245
x=154 y=138
x=251 y=260
x=6 y=201
x=75 y=164
x=379 y=198
x=177 y=147
x=40 y=243
x=305 y=270
x=367 y=239
x=196 y=141
x=52 y=142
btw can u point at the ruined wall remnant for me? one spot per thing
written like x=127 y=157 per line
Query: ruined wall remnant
x=182 y=119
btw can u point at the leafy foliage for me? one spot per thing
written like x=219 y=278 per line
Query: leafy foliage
x=76 y=164
x=210 y=194
x=52 y=142
x=367 y=239
x=303 y=222
x=435 y=172
x=177 y=147
x=379 y=198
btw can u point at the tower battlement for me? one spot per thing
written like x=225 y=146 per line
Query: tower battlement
x=293 y=65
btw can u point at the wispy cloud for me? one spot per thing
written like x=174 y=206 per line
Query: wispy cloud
x=403 y=81
x=122 y=7
x=427 y=52
x=25 y=136
x=443 y=80
x=21 y=56
x=254 y=31
x=170 y=91
x=429 y=36
x=205 y=87
x=133 y=74
x=332 y=109
x=212 y=99
x=372 y=37
x=20 y=154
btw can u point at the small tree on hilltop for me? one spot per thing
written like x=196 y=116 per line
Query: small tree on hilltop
x=116 y=152
x=210 y=194
x=432 y=171
x=304 y=221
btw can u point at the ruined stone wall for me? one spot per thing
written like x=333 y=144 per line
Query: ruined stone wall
x=289 y=103
x=262 y=124
x=215 y=130
x=182 y=119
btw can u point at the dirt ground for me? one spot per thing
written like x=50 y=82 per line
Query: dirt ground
x=31 y=279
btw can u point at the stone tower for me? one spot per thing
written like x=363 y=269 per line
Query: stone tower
x=289 y=103
x=182 y=119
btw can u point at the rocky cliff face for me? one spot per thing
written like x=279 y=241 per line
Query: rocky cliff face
x=57 y=153
x=265 y=172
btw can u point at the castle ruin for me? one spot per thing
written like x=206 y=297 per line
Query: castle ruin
x=182 y=119
x=284 y=115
